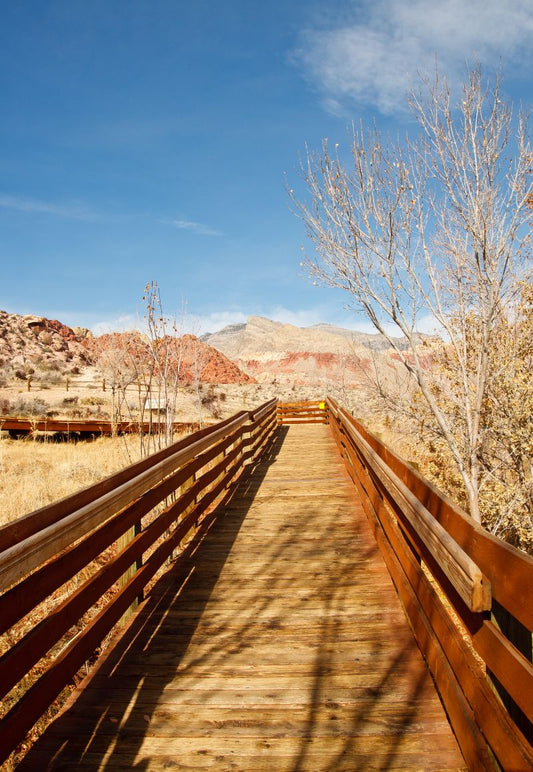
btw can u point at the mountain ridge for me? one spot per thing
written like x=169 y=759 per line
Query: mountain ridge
x=320 y=353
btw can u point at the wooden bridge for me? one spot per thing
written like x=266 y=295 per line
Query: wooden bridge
x=298 y=598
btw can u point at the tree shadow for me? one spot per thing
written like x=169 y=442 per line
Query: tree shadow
x=100 y=722
x=136 y=688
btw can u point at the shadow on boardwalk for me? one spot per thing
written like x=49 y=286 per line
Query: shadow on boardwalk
x=280 y=648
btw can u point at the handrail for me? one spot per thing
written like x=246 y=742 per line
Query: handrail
x=17 y=425
x=20 y=559
x=25 y=526
x=306 y=411
x=441 y=560
x=463 y=573
x=123 y=530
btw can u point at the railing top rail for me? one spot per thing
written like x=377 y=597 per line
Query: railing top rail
x=441 y=560
x=26 y=525
x=508 y=569
x=462 y=571
x=260 y=412
x=303 y=403
x=103 y=549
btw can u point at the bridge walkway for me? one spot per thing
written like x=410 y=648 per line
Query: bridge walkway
x=278 y=644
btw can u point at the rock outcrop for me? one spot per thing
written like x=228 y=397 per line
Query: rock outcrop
x=209 y=365
x=36 y=347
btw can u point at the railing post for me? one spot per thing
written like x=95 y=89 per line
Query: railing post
x=122 y=543
x=521 y=637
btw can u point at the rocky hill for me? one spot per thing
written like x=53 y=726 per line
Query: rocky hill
x=45 y=350
x=31 y=346
x=322 y=354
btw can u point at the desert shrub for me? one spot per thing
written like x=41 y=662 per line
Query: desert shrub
x=92 y=401
x=70 y=401
x=5 y=406
x=52 y=366
x=48 y=379
x=29 y=407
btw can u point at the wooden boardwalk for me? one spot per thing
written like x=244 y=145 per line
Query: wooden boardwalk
x=279 y=644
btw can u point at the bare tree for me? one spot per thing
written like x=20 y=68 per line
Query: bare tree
x=431 y=227
x=121 y=358
x=143 y=371
x=164 y=348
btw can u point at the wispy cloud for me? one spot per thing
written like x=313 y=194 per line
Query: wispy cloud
x=195 y=227
x=299 y=317
x=375 y=56
x=121 y=323
x=198 y=324
x=72 y=211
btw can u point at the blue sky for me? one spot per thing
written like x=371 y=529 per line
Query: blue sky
x=147 y=140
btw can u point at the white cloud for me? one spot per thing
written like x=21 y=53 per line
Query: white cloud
x=199 y=324
x=375 y=58
x=24 y=204
x=195 y=324
x=121 y=323
x=299 y=318
x=195 y=227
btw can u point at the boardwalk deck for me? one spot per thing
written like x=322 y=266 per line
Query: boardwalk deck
x=279 y=645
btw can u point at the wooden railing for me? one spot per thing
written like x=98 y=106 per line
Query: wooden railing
x=77 y=566
x=467 y=594
x=82 y=562
x=306 y=412
x=88 y=426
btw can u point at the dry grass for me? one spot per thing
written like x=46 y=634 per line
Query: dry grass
x=34 y=473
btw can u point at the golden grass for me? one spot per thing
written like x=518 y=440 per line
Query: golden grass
x=34 y=473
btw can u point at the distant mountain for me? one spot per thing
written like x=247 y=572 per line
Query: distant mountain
x=321 y=353
x=191 y=357
x=261 y=350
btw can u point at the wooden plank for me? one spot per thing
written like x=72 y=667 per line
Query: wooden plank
x=278 y=643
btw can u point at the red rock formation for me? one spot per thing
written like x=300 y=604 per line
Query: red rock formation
x=208 y=364
x=300 y=367
x=196 y=360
